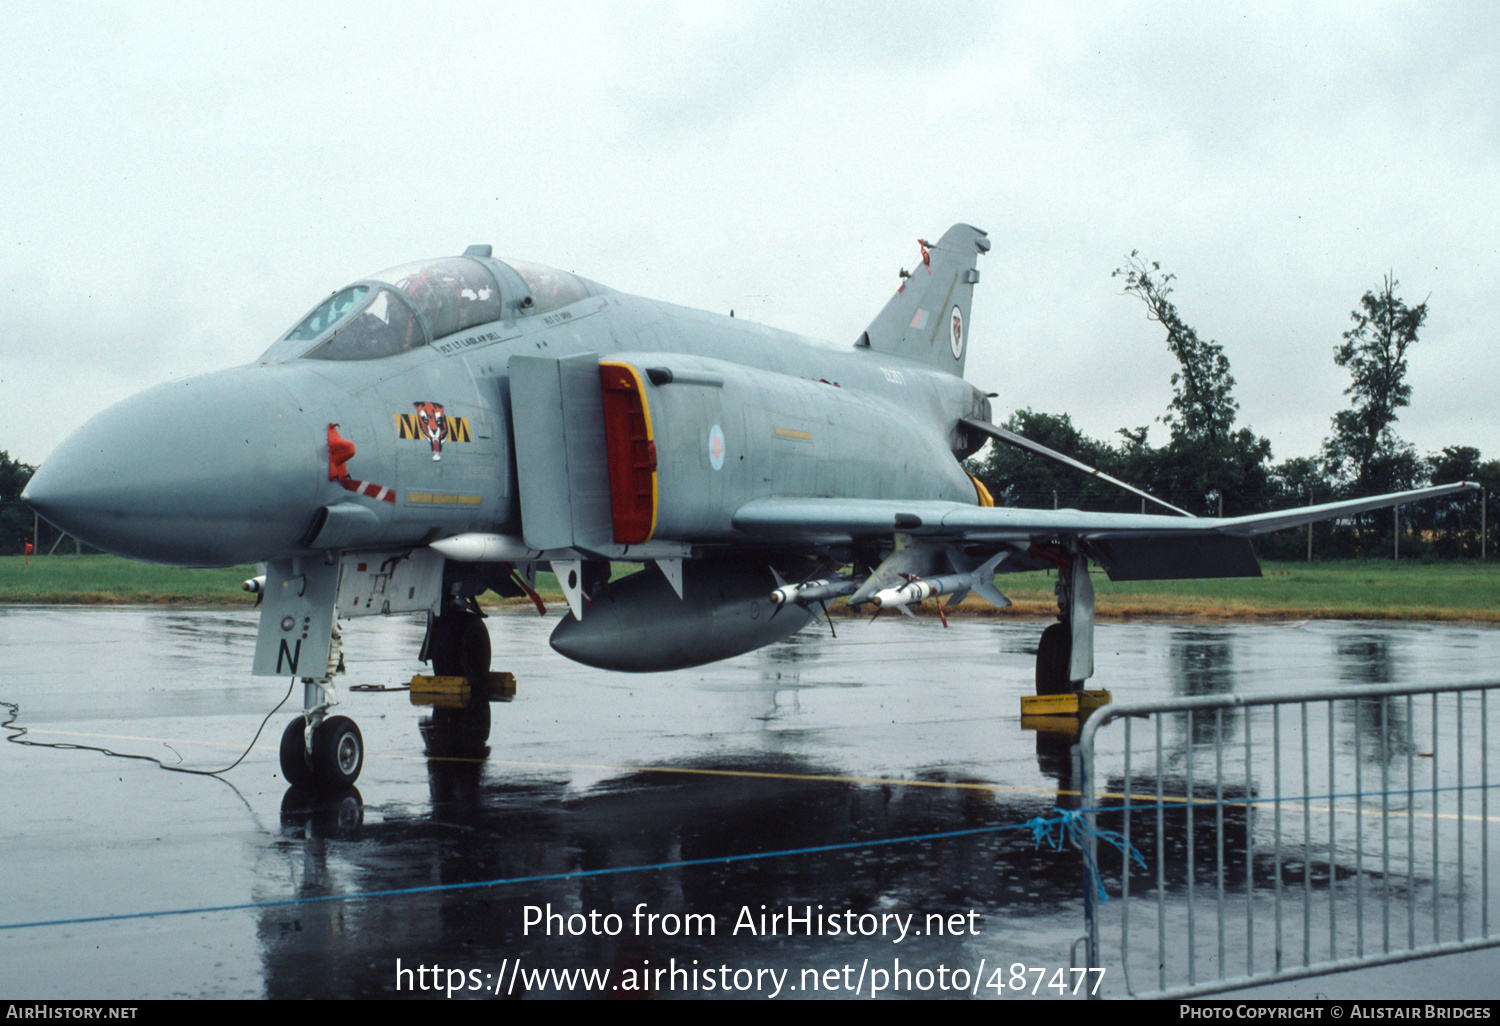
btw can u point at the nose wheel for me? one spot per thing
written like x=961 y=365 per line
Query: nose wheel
x=333 y=761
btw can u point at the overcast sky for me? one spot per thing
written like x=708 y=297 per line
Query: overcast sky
x=182 y=182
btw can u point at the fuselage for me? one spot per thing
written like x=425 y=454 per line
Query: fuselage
x=242 y=465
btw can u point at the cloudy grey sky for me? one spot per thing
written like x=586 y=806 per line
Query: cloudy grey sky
x=181 y=183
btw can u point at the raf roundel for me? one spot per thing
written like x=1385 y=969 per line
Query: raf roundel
x=958 y=333
x=716 y=447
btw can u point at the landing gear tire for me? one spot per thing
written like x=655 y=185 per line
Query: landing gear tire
x=338 y=752
x=296 y=769
x=460 y=647
x=1053 y=654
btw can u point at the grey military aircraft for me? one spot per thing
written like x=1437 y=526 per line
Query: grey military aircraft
x=447 y=427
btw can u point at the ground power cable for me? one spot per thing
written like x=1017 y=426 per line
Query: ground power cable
x=18 y=734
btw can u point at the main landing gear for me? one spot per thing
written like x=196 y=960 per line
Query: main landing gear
x=1065 y=654
x=1053 y=653
x=458 y=644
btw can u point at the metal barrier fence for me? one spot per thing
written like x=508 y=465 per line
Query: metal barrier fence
x=1285 y=836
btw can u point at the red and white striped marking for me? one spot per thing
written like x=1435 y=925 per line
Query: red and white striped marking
x=372 y=491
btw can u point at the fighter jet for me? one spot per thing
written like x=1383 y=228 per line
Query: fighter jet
x=448 y=427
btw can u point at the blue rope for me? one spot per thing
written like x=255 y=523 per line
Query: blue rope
x=574 y=875
x=1071 y=825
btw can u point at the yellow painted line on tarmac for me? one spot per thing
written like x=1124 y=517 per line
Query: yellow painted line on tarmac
x=604 y=766
x=813 y=777
x=1148 y=801
x=1291 y=806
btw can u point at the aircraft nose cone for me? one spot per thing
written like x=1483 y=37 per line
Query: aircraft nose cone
x=210 y=471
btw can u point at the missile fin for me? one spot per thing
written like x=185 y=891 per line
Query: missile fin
x=984 y=581
x=991 y=594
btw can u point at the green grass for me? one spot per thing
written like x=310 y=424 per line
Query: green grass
x=1337 y=590
x=94 y=580
x=1353 y=589
x=1340 y=590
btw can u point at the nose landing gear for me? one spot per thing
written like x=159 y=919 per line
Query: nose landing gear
x=327 y=752
x=333 y=760
x=318 y=750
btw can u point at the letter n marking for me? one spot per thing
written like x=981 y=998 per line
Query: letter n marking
x=288 y=655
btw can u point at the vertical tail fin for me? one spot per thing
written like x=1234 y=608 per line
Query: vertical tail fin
x=927 y=320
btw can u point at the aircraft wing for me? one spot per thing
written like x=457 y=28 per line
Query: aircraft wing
x=1129 y=546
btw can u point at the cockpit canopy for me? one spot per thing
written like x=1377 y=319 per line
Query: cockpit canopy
x=409 y=306
x=450 y=295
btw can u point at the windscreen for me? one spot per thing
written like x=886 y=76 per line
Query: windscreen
x=332 y=310
x=385 y=327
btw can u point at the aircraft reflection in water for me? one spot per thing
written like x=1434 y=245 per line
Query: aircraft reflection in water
x=445 y=428
x=483 y=828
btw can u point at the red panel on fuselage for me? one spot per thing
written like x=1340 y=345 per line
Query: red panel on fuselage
x=632 y=454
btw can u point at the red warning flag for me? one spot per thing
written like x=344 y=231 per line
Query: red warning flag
x=926 y=256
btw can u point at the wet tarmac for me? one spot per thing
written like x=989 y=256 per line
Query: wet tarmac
x=602 y=795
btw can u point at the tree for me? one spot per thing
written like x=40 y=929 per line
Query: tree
x=1364 y=451
x=15 y=518
x=1298 y=481
x=1206 y=458
x=1018 y=478
x=1453 y=521
x=1202 y=404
